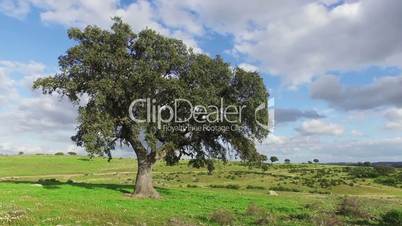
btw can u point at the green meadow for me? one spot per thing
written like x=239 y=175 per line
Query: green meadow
x=74 y=190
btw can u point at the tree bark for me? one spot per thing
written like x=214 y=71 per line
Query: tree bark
x=143 y=184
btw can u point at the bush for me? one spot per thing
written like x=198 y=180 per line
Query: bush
x=177 y=222
x=254 y=210
x=282 y=188
x=300 y=216
x=352 y=207
x=363 y=172
x=255 y=187
x=71 y=153
x=266 y=219
x=222 y=217
x=48 y=181
x=327 y=220
x=229 y=186
x=384 y=170
x=20 y=153
x=393 y=217
x=59 y=153
x=390 y=181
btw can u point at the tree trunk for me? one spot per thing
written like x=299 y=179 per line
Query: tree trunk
x=143 y=184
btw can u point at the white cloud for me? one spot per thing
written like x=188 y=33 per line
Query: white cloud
x=15 y=8
x=273 y=139
x=296 y=40
x=318 y=127
x=394 y=119
x=139 y=14
x=356 y=133
x=304 y=148
x=384 y=91
x=31 y=116
x=248 y=67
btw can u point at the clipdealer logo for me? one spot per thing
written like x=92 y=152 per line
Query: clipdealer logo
x=205 y=115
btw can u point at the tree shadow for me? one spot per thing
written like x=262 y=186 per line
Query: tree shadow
x=56 y=184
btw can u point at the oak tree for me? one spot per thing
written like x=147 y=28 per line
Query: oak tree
x=109 y=69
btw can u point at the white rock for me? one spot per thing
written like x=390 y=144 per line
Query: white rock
x=273 y=193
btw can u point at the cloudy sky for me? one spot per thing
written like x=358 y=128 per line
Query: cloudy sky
x=334 y=67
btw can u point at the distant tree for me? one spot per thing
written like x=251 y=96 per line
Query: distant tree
x=316 y=160
x=20 y=153
x=264 y=167
x=384 y=170
x=309 y=162
x=71 y=153
x=112 y=68
x=287 y=161
x=210 y=167
x=273 y=159
x=59 y=153
x=366 y=164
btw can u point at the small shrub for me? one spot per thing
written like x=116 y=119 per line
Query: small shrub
x=192 y=186
x=48 y=181
x=352 y=207
x=327 y=220
x=229 y=186
x=21 y=153
x=391 y=218
x=71 y=153
x=282 y=188
x=233 y=186
x=265 y=167
x=363 y=172
x=254 y=210
x=384 y=170
x=177 y=222
x=222 y=217
x=255 y=187
x=300 y=216
x=266 y=219
x=390 y=181
x=59 y=153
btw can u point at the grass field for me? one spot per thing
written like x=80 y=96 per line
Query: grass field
x=73 y=190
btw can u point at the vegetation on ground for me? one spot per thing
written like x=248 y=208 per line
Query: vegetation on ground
x=75 y=190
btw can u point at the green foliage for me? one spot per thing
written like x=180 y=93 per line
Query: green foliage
x=228 y=186
x=363 y=172
x=316 y=160
x=59 y=153
x=102 y=185
x=265 y=167
x=273 y=159
x=384 y=170
x=255 y=187
x=392 y=218
x=284 y=188
x=71 y=153
x=111 y=68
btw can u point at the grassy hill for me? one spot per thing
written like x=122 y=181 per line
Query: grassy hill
x=73 y=190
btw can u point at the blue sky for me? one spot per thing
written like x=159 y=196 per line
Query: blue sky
x=333 y=67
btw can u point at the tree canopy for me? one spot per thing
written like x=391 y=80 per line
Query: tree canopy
x=106 y=70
